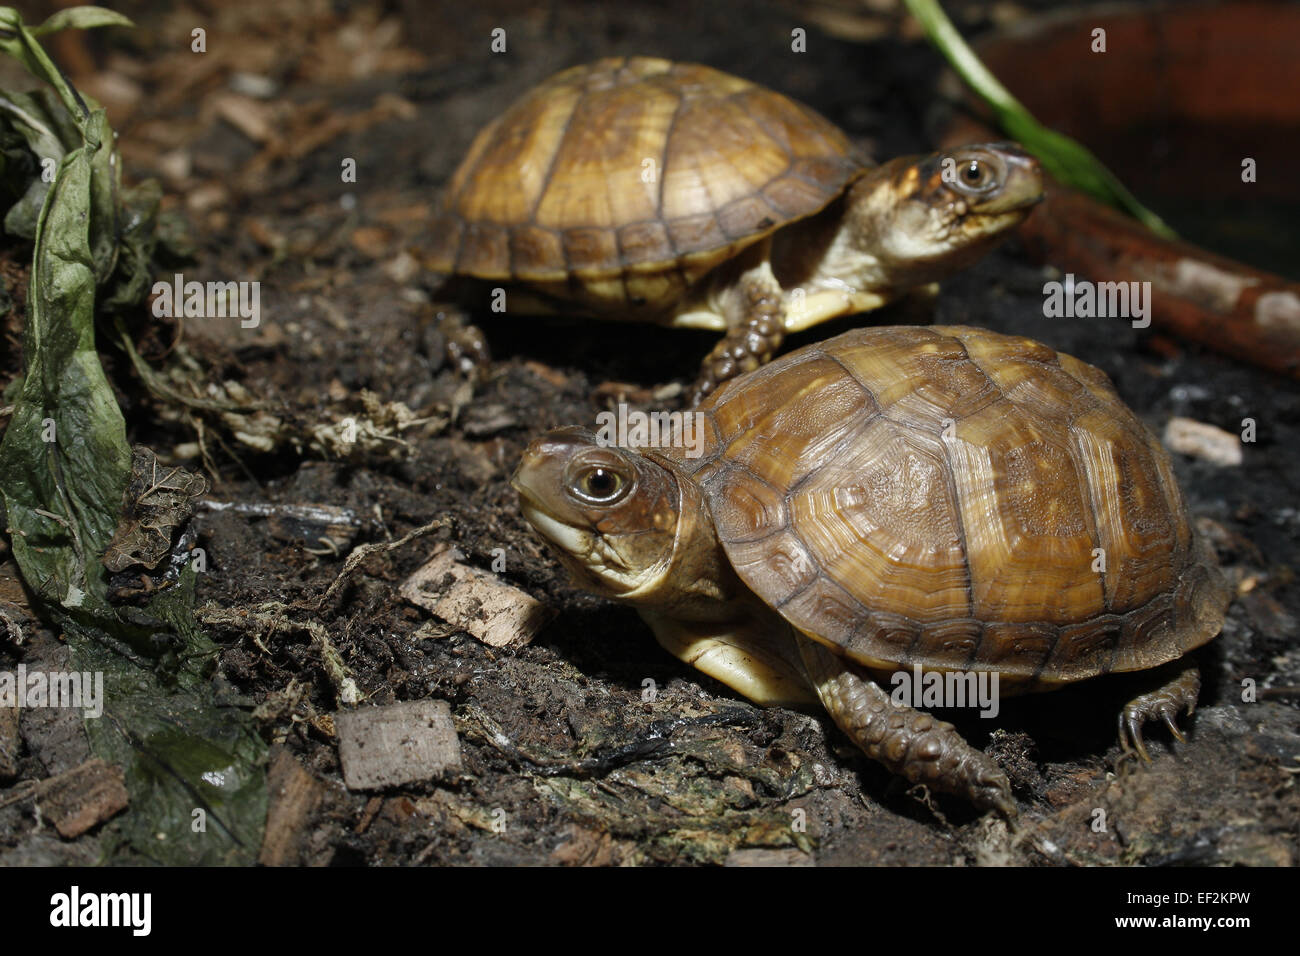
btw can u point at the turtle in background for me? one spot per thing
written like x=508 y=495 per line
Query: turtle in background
x=644 y=189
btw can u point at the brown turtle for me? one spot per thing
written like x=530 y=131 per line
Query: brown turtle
x=640 y=188
x=944 y=498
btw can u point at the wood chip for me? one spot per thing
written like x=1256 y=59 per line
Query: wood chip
x=761 y=857
x=1190 y=437
x=255 y=120
x=373 y=242
x=584 y=847
x=401 y=743
x=82 y=797
x=402 y=268
x=477 y=601
x=294 y=796
x=9 y=743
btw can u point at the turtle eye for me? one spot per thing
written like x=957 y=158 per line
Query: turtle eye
x=599 y=485
x=976 y=175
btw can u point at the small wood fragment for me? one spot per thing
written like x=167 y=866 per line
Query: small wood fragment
x=759 y=856
x=83 y=797
x=1207 y=442
x=477 y=601
x=294 y=796
x=9 y=743
x=401 y=743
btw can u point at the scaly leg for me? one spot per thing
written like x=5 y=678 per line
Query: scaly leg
x=751 y=341
x=911 y=744
x=1165 y=703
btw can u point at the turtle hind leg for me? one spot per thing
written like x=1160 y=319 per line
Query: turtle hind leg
x=752 y=340
x=912 y=744
x=1165 y=703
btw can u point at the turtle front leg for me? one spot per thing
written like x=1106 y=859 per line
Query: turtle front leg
x=910 y=743
x=1165 y=702
x=757 y=333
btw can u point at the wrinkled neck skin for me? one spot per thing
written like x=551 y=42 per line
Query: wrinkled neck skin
x=696 y=581
x=821 y=253
x=874 y=240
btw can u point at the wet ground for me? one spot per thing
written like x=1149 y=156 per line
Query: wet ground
x=563 y=761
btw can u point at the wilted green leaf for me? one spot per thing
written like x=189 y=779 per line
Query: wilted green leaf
x=33 y=127
x=65 y=464
x=80 y=18
x=64 y=456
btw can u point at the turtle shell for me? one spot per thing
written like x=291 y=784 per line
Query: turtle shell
x=636 y=166
x=957 y=499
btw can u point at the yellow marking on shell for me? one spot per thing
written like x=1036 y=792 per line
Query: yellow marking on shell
x=525 y=142
x=1135 y=525
x=1027 y=563
x=595 y=177
x=710 y=164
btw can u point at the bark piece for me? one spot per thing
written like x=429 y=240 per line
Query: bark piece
x=476 y=601
x=295 y=795
x=401 y=743
x=82 y=797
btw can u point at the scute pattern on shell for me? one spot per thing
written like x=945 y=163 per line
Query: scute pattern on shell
x=935 y=496
x=553 y=188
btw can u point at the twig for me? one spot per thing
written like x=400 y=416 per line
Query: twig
x=655 y=742
x=272 y=616
x=363 y=551
x=28 y=789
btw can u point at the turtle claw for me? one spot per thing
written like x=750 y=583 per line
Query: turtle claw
x=1165 y=703
x=1130 y=733
x=1173 y=727
x=993 y=792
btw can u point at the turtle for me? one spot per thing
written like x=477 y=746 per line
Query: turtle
x=899 y=499
x=646 y=189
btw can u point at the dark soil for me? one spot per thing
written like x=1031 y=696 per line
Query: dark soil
x=696 y=773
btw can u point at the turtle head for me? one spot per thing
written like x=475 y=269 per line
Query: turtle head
x=925 y=217
x=610 y=514
x=625 y=524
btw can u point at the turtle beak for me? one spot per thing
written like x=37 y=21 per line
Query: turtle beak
x=538 y=481
x=541 y=468
x=1021 y=180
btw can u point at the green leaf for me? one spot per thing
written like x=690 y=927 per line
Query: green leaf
x=64 y=468
x=35 y=128
x=17 y=41
x=1067 y=160
x=64 y=454
x=81 y=18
